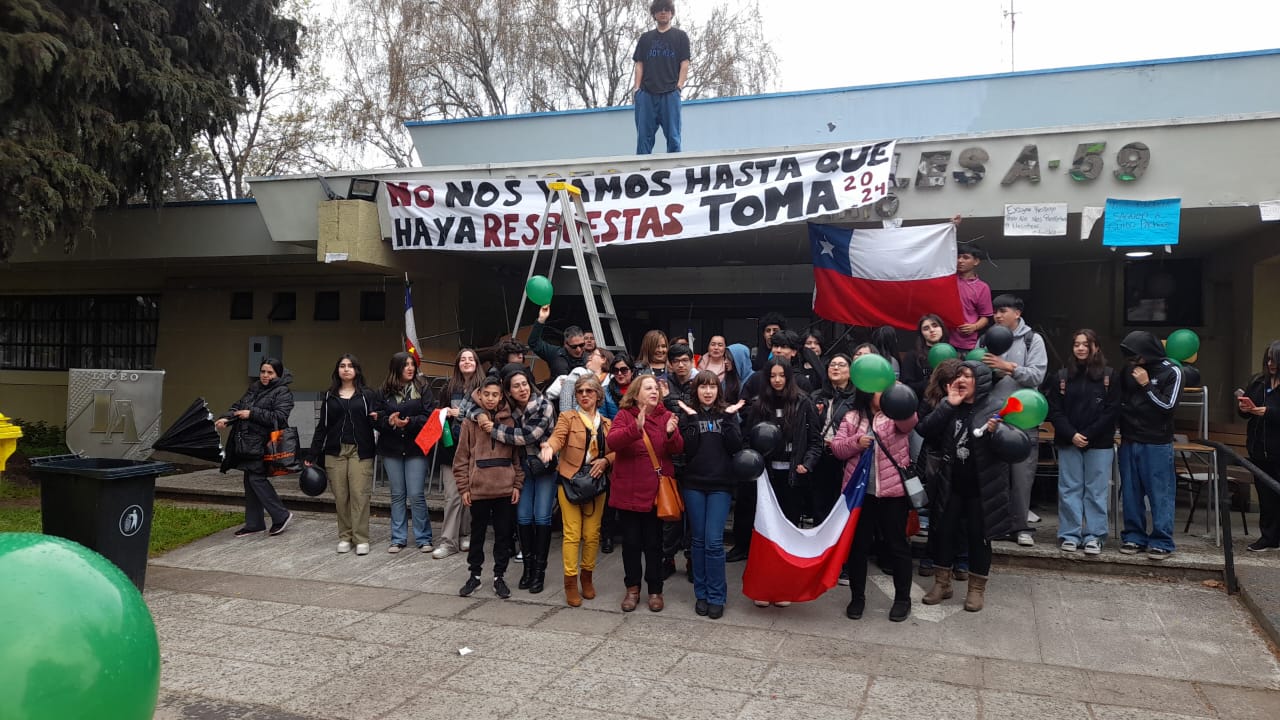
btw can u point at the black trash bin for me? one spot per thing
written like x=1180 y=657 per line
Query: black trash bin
x=104 y=504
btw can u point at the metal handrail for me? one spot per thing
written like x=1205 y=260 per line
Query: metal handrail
x=1224 y=502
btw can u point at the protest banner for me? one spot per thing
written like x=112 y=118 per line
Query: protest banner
x=640 y=207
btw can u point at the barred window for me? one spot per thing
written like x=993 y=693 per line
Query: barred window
x=57 y=332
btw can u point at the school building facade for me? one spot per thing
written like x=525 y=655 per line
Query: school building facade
x=201 y=290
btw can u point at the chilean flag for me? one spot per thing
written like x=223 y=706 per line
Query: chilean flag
x=410 y=327
x=787 y=564
x=889 y=276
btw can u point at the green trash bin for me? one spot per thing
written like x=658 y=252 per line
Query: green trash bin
x=104 y=504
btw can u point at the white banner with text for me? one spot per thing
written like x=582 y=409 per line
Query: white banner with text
x=640 y=207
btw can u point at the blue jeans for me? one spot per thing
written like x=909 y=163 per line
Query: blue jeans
x=1146 y=474
x=653 y=112
x=1084 y=487
x=537 y=498
x=408 y=476
x=706 y=513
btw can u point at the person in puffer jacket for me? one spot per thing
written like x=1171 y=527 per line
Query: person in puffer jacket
x=407 y=405
x=1149 y=395
x=885 y=507
x=976 y=469
x=1259 y=403
x=264 y=407
x=489 y=479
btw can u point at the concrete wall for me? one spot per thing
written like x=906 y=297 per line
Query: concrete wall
x=1154 y=90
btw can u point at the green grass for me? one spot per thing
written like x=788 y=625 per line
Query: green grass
x=13 y=491
x=171 y=527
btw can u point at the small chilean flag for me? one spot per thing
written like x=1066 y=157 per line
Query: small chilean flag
x=437 y=427
x=410 y=327
x=787 y=564
x=889 y=276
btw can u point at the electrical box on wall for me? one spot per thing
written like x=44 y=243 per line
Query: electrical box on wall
x=262 y=347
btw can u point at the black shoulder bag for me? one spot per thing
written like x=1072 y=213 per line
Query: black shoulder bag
x=582 y=488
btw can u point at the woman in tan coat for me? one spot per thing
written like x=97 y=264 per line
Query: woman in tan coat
x=579 y=439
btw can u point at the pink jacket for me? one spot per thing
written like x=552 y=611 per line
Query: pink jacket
x=894 y=433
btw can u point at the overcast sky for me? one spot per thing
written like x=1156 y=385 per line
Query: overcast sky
x=837 y=43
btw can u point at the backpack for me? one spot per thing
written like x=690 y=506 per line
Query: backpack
x=1062 y=380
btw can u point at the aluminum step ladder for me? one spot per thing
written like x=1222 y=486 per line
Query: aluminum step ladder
x=572 y=224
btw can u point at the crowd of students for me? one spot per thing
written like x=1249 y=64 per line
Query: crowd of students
x=668 y=412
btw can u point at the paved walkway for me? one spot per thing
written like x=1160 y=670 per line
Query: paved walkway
x=285 y=628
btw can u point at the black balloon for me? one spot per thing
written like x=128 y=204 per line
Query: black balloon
x=312 y=480
x=1190 y=376
x=748 y=464
x=899 y=402
x=998 y=339
x=766 y=438
x=1010 y=444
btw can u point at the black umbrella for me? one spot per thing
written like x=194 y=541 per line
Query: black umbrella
x=193 y=434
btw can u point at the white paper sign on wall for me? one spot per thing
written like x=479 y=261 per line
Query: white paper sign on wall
x=1035 y=220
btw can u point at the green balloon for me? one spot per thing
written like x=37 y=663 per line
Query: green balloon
x=976 y=354
x=1035 y=408
x=539 y=290
x=872 y=373
x=940 y=352
x=1182 y=344
x=78 y=640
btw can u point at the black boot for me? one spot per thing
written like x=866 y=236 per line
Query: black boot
x=541 y=548
x=526 y=546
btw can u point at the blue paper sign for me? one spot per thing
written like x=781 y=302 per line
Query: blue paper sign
x=1127 y=223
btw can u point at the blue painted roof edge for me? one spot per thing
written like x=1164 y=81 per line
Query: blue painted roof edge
x=879 y=86
x=193 y=203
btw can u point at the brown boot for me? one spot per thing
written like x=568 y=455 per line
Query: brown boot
x=941 y=589
x=974 y=599
x=588 y=590
x=655 y=602
x=631 y=599
x=571 y=595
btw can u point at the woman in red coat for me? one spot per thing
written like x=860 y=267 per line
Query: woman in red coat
x=634 y=486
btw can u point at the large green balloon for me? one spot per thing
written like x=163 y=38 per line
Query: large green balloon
x=872 y=373
x=77 y=640
x=940 y=352
x=976 y=354
x=1182 y=344
x=1035 y=408
x=539 y=290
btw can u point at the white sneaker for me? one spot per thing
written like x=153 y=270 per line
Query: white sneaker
x=344 y=547
x=1032 y=517
x=362 y=549
x=1068 y=545
x=466 y=544
x=426 y=548
x=761 y=603
x=784 y=603
x=443 y=552
x=1025 y=539
x=1093 y=547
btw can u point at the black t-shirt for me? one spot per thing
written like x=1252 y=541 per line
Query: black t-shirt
x=661 y=54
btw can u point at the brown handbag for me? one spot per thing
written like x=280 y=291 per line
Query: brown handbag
x=669 y=503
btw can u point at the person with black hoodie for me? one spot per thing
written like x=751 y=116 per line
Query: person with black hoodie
x=344 y=442
x=791 y=464
x=1260 y=405
x=976 y=469
x=1083 y=405
x=769 y=324
x=1149 y=397
x=264 y=407
x=711 y=436
x=785 y=345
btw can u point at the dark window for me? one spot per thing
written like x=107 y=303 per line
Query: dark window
x=327 y=302
x=1163 y=292
x=241 y=306
x=373 y=306
x=50 y=332
x=284 y=306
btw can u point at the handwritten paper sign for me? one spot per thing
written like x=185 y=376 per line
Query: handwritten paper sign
x=1269 y=210
x=1035 y=220
x=1129 y=223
